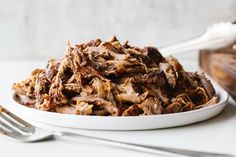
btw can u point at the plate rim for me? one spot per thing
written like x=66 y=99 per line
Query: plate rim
x=218 y=89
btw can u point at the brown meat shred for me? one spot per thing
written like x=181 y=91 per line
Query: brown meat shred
x=113 y=79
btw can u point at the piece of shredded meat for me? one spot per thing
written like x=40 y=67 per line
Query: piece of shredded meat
x=113 y=79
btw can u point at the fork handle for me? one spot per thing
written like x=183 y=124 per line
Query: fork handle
x=195 y=44
x=150 y=149
x=216 y=36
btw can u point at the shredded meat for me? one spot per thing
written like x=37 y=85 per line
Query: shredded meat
x=113 y=79
x=151 y=106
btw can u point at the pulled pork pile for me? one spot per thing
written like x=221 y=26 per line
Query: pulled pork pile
x=108 y=78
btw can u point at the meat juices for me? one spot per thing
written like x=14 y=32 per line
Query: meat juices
x=111 y=79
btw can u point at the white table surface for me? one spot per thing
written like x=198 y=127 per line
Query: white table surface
x=217 y=134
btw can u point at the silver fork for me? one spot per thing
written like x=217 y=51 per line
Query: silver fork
x=20 y=130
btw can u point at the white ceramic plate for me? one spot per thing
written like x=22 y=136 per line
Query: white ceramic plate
x=121 y=123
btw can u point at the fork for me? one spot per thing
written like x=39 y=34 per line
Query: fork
x=20 y=130
x=217 y=36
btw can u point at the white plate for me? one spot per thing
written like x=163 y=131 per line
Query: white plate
x=121 y=123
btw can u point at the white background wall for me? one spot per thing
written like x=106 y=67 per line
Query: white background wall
x=38 y=29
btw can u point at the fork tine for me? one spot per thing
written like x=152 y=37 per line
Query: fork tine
x=24 y=129
x=10 y=129
x=3 y=131
x=15 y=135
x=27 y=127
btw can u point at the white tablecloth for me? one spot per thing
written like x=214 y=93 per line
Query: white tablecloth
x=217 y=134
